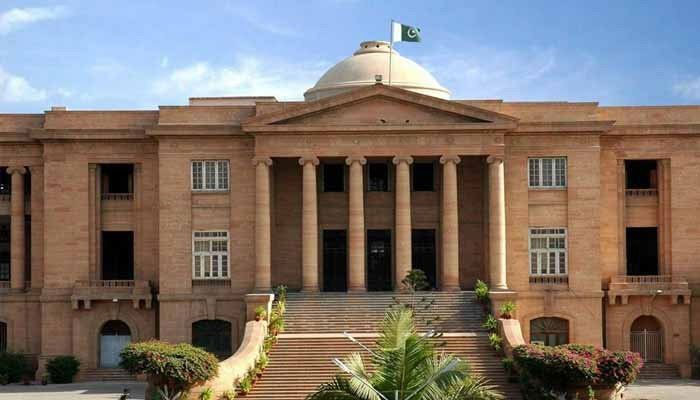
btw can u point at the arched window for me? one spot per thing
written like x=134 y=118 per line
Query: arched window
x=214 y=336
x=115 y=328
x=550 y=331
x=3 y=336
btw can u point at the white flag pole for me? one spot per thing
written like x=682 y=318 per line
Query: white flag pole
x=391 y=46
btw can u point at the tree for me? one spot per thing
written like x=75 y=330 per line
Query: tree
x=406 y=366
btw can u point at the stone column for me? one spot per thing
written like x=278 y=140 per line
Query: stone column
x=263 y=281
x=309 y=225
x=356 y=230
x=497 y=223
x=403 y=219
x=450 y=224
x=17 y=275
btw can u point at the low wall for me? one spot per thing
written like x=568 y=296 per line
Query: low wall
x=509 y=330
x=236 y=367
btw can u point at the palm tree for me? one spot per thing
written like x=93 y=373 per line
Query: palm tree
x=406 y=367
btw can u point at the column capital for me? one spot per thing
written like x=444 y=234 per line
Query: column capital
x=308 y=159
x=351 y=159
x=494 y=158
x=16 y=170
x=262 y=159
x=450 y=158
x=399 y=159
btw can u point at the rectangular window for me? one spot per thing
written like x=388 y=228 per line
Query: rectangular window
x=210 y=175
x=210 y=255
x=548 y=251
x=333 y=178
x=423 y=177
x=378 y=179
x=547 y=172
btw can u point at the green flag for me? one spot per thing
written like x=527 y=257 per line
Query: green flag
x=404 y=33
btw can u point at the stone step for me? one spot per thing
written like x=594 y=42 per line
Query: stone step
x=106 y=374
x=659 y=371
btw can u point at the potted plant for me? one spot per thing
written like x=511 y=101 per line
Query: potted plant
x=260 y=313
x=507 y=309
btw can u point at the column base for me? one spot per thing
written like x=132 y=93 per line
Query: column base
x=310 y=289
x=450 y=289
x=357 y=290
x=262 y=290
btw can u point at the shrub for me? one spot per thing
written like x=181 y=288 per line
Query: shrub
x=228 y=394
x=491 y=323
x=207 y=394
x=12 y=367
x=555 y=369
x=482 y=291
x=260 y=313
x=496 y=341
x=245 y=384
x=174 y=366
x=62 y=369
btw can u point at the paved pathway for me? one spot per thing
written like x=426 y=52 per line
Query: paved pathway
x=73 y=391
x=663 y=389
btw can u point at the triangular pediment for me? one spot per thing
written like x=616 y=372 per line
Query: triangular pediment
x=380 y=105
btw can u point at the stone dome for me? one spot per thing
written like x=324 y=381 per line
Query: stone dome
x=370 y=60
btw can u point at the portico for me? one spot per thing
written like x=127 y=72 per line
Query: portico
x=354 y=139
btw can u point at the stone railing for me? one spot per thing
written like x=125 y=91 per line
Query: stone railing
x=554 y=280
x=623 y=286
x=509 y=330
x=118 y=196
x=211 y=283
x=86 y=291
x=641 y=192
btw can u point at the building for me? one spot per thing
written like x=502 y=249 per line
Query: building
x=127 y=225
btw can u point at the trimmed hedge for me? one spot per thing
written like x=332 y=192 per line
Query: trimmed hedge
x=13 y=366
x=557 y=369
x=62 y=369
x=175 y=366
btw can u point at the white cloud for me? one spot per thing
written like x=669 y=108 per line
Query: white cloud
x=248 y=76
x=16 y=18
x=15 y=89
x=689 y=88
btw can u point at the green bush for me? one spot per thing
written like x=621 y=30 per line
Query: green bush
x=496 y=341
x=177 y=367
x=207 y=394
x=491 y=323
x=245 y=384
x=13 y=366
x=62 y=369
x=228 y=395
x=507 y=309
x=482 y=291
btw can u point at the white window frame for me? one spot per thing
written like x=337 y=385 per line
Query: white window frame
x=551 y=235
x=222 y=175
x=556 y=181
x=201 y=236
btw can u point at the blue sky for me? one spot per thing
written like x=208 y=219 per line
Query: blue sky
x=118 y=54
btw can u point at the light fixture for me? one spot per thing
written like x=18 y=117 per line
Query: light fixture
x=378 y=78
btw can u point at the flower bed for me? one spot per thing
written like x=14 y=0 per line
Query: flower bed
x=569 y=369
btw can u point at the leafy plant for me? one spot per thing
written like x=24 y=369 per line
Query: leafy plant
x=491 y=323
x=481 y=290
x=207 y=394
x=13 y=366
x=405 y=365
x=260 y=313
x=415 y=281
x=245 y=384
x=175 y=367
x=228 y=394
x=508 y=364
x=695 y=361
x=495 y=341
x=62 y=369
x=507 y=309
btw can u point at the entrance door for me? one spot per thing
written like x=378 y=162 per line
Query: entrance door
x=335 y=260
x=647 y=339
x=117 y=255
x=379 y=260
x=423 y=253
x=114 y=336
x=642 y=251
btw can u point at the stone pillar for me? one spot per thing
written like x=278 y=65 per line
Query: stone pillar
x=263 y=279
x=356 y=230
x=403 y=219
x=450 y=224
x=497 y=223
x=17 y=275
x=37 y=219
x=309 y=225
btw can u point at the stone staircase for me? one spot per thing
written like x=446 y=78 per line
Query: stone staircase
x=302 y=358
x=106 y=375
x=659 y=371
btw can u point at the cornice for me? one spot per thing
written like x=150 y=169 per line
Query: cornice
x=300 y=129
x=578 y=127
x=86 y=134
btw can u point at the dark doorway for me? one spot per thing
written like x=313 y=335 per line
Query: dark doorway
x=379 y=260
x=214 y=336
x=424 y=254
x=640 y=174
x=117 y=255
x=423 y=177
x=333 y=177
x=642 y=251
x=117 y=178
x=335 y=261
